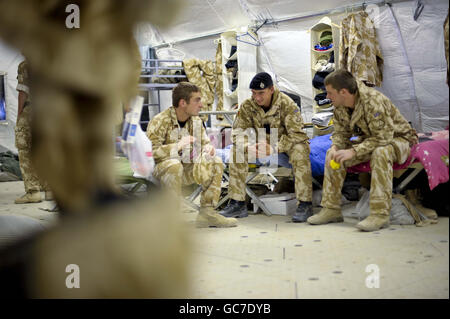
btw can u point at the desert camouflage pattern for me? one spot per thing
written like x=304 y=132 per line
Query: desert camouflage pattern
x=78 y=76
x=383 y=137
x=202 y=74
x=219 y=80
x=192 y=166
x=23 y=136
x=163 y=80
x=359 y=50
x=381 y=160
x=284 y=119
x=376 y=122
x=79 y=80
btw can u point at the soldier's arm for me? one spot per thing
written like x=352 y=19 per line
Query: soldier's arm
x=156 y=132
x=293 y=122
x=22 y=86
x=22 y=98
x=241 y=123
x=381 y=128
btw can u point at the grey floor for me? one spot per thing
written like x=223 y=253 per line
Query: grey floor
x=271 y=257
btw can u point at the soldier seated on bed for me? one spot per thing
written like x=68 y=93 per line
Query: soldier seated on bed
x=184 y=155
x=380 y=134
x=279 y=119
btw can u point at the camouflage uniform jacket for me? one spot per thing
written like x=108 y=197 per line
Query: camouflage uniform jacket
x=202 y=74
x=22 y=80
x=359 y=51
x=165 y=132
x=375 y=122
x=283 y=115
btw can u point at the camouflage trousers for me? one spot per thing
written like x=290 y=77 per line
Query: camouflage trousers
x=381 y=161
x=23 y=143
x=301 y=166
x=173 y=174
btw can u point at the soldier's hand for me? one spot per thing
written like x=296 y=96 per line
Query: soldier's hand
x=264 y=149
x=330 y=155
x=210 y=150
x=344 y=155
x=252 y=151
x=186 y=140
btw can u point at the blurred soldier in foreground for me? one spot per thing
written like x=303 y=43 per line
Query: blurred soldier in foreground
x=78 y=75
x=31 y=181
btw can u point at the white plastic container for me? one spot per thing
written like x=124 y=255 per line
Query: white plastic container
x=278 y=204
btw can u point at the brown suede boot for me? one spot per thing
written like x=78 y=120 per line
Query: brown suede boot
x=48 y=195
x=30 y=197
x=325 y=216
x=374 y=222
x=208 y=217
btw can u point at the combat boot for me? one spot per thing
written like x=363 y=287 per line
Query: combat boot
x=236 y=209
x=325 y=216
x=303 y=212
x=48 y=195
x=374 y=222
x=30 y=197
x=208 y=217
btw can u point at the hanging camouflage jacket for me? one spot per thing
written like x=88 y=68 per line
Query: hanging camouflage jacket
x=202 y=74
x=359 y=51
x=284 y=115
x=375 y=122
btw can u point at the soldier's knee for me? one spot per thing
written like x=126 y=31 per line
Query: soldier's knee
x=383 y=151
x=218 y=164
x=175 y=168
x=300 y=152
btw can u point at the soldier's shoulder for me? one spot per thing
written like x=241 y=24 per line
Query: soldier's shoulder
x=287 y=103
x=22 y=65
x=160 y=118
x=22 y=70
x=246 y=106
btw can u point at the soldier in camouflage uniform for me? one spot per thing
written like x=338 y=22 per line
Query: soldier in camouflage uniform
x=271 y=112
x=23 y=142
x=184 y=155
x=382 y=136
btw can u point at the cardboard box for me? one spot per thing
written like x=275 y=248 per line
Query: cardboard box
x=278 y=204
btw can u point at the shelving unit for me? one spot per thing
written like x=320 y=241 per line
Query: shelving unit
x=147 y=86
x=323 y=25
x=245 y=51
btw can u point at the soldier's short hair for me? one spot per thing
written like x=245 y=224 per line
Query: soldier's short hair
x=183 y=91
x=342 y=79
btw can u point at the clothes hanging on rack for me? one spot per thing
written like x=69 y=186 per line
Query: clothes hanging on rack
x=219 y=80
x=359 y=50
x=202 y=74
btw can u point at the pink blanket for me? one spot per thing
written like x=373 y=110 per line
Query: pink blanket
x=432 y=154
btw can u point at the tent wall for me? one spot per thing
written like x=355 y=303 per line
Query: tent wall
x=9 y=62
x=414 y=56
